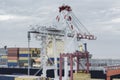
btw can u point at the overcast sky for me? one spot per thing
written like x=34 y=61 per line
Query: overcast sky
x=101 y=17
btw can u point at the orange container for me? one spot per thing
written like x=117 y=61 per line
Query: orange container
x=12 y=58
x=10 y=52
x=13 y=49
x=13 y=54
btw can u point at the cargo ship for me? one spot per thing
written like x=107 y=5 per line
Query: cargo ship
x=14 y=61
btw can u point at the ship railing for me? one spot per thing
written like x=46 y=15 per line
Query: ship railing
x=112 y=67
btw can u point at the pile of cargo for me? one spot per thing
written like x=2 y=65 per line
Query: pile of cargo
x=23 y=57
x=13 y=57
x=34 y=53
x=18 y=57
x=81 y=76
x=3 y=57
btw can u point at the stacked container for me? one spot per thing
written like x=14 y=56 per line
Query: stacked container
x=24 y=53
x=23 y=57
x=13 y=57
x=3 y=57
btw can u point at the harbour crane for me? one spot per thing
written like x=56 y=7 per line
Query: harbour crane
x=74 y=32
x=71 y=31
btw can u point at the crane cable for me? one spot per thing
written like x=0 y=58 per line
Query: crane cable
x=77 y=27
x=68 y=22
x=80 y=22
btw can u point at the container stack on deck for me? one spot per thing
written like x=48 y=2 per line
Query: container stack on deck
x=18 y=57
x=3 y=57
x=13 y=57
x=24 y=53
x=23 y=57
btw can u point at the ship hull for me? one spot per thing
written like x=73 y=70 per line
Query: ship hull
x=50 y=73
x=97 y=74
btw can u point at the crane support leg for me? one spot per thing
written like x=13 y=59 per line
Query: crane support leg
x=78 y=64
x=108 y=78
x=60 y=70
x=71 y=67
x=88 y=63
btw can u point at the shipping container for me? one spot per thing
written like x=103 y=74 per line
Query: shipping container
x=12 y=61
x=23 y=58
x=24 y=54
x=12 y=64
x=13 y=49
x=12 y=58
x=3 y=57
x=3 y=51
x=12 y=54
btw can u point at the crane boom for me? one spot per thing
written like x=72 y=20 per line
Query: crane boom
x=73 y=23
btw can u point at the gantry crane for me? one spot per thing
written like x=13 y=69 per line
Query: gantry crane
x=71 y=31
x=73 y=24
x=74 y=32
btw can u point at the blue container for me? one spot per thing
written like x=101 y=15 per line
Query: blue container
x=23 y=55
x=6 y=77
x=53 y=59
x=12 y=64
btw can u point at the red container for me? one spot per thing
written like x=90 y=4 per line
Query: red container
x=12 y=58
x=9 y=52
x=13 y=54
x=13 y=49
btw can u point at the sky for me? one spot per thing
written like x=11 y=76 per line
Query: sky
x=100 y=17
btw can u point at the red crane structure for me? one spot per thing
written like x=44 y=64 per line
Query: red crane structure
x=78 y=55
x=112 y=70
